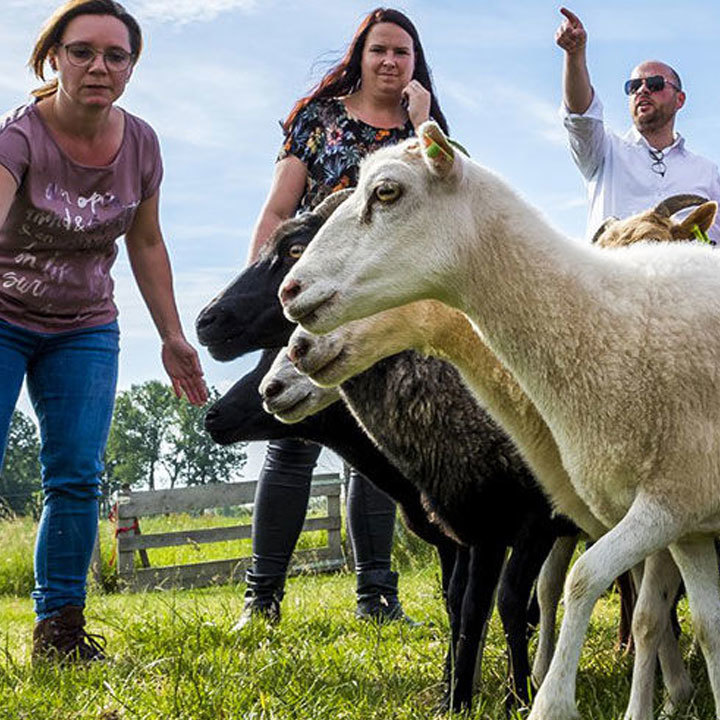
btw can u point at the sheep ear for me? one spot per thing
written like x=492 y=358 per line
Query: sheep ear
x=603 y=229
x=702 y=216
x=438 y=153
x=328 y=206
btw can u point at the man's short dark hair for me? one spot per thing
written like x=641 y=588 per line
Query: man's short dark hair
x=676 y=77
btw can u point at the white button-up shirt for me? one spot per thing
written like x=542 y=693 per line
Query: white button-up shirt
x=618 y=169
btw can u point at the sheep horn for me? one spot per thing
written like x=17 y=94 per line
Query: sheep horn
x=603 y=228
x=326 y=208
x=671 y=205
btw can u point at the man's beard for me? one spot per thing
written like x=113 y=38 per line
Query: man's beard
x=652 y=121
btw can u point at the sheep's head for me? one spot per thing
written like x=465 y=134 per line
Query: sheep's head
x=658 y=224
x=290 y=396
x=390 y=242
x=245 y=316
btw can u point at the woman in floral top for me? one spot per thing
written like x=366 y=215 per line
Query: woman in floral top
x=377 y=95
x=331 y=143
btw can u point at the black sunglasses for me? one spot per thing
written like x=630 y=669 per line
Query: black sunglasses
x=654 y=83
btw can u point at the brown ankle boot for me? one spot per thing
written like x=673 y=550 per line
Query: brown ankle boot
x=63 y=637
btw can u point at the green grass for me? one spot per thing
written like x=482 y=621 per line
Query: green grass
x=17 y=538
x=173 y=656
x=16 y=560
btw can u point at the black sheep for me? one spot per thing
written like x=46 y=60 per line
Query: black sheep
x=247 y=316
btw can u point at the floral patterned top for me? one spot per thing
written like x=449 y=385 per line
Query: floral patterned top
x=332 y=143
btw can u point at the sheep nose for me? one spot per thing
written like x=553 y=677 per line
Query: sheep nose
x=211 y=416
x=290 y=290
x=299 y=349
x=273 y=389
x=204 y=320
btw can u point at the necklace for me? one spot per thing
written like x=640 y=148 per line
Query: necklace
x=658 y=165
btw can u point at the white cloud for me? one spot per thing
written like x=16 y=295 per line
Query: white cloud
x=495 y=99
x=569 y=202
x=211 y=100
x=13 y=83
x=36 y=5
x=186 y=11
x=164 y=11
x=538 y=114
x=197 y=233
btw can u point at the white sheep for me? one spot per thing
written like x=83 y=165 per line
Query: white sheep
x=617 y=351
x=432 y=328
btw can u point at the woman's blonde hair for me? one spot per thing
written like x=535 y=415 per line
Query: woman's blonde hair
x=52 y=32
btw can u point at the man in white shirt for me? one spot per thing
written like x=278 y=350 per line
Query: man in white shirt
x=633 y=172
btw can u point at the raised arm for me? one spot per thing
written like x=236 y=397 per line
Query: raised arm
x=572 y=38
x=287 y=188
x=151 y=267
x=418 y=100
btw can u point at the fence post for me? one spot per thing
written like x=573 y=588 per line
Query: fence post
x=133 y=505
x=347 y=549
x=334 y=535
x=126 y=558
x=96 y=560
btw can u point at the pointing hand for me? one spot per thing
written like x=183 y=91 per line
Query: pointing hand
x=571 y=35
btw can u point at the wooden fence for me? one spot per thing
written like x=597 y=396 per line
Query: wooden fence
x=133 y=506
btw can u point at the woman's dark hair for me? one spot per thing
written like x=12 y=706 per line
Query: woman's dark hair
x=52 y=32
x=344 y=78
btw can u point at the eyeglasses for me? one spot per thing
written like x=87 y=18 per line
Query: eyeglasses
x=654 y=83
x=658 y=166
x=82 y=55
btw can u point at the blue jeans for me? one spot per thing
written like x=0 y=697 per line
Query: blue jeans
x=71 y=379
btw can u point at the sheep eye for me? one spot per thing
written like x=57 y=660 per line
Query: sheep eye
x=388 y=192
x=295 y=251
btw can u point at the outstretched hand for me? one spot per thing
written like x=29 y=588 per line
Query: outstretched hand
x=571 y=36
x=183 y=366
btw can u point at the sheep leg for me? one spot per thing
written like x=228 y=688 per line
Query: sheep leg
x=447 y=553
x=628 y=597
x=486 y=562
x=549 y=589
x=456 y=590
x=697 y=560
x=675 y=676
x=529 y=552
x=658 y=583
x=646 y=528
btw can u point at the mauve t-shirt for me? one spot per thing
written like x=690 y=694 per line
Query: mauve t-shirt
x=58 y=242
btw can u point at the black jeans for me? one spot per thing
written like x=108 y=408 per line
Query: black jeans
x=281 y=502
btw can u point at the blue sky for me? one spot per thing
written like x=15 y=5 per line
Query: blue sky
x=217 y=75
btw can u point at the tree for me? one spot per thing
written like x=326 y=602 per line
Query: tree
x=200 y=459
x=20 y=476
x=155 y=435
x=141 y=422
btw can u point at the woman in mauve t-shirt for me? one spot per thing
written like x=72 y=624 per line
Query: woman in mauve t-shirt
x=76 y=173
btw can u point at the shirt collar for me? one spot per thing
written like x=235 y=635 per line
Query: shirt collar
x=638 y=139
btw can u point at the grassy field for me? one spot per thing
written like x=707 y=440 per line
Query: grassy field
x=172 y=655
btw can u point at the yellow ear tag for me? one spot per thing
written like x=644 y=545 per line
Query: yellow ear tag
x=700 y=235
x=433 y=150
